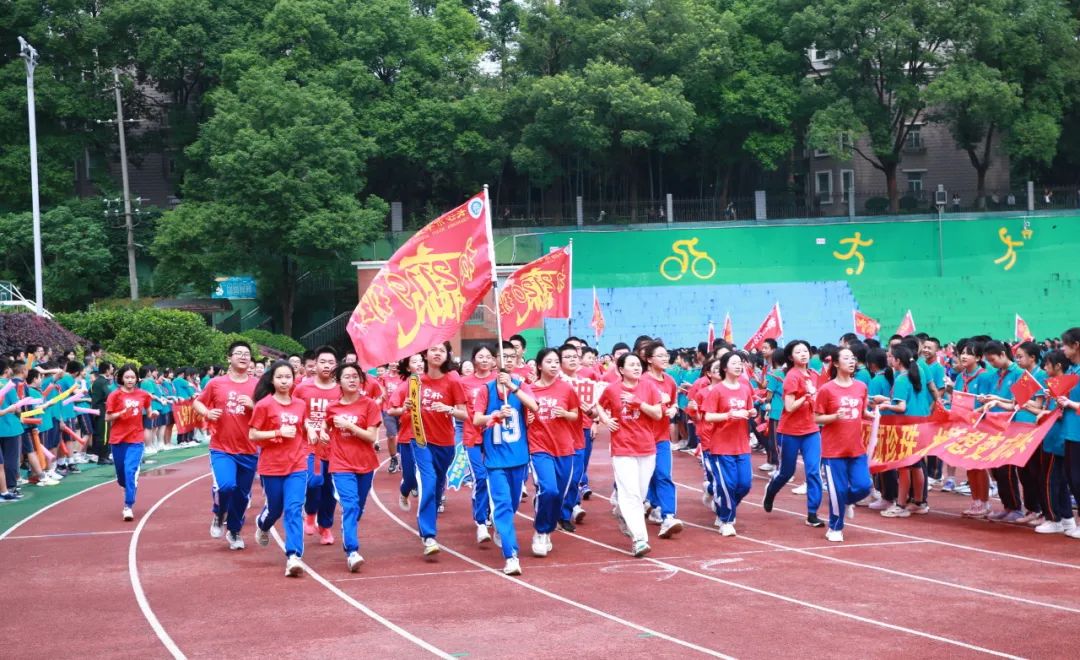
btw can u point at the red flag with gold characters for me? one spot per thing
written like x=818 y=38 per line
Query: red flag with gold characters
x=1022 y=331
x=907 y=326
x=426 y=291
x=727 y=334
x=865 y=325
x=540 y=289
x=597 y=322
x=771 y=328
x=1024 y=388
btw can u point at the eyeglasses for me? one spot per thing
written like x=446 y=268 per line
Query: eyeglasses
x=241 y=354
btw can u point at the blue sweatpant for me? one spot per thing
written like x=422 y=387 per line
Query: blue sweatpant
x=126 y=459
x=504 y=492
x=573 y=486
x=481 y=508
x=551 y=475
x=849 y=482
x=706 y=456
x=285 y=496
x=583 y=483
x=810 y=448
x=233 y=475
x=352 y=490
x=661 y=487
x=731 y=478
x=320 y=492
x=432 y=462
x=408 y=468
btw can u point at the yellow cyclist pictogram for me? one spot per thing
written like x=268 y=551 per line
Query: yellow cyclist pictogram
x=856 y=242
x=675 y=266
x=1009 y=258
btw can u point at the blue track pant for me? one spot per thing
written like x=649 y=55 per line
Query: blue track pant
x=551 y=475
x=504 y=492
x=320 y=492
x=285 y=496
x=661 y=487
x=731 y=478
x=408 y=468
x=573 y=487
x=432 y=462
x=481 y=508
x=810 y=448
x=126 y=458
x=233 y=475
x=352 y=490
x=584 y=481
x=849 y=482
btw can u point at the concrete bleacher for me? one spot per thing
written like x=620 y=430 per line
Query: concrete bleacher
x=816 y=311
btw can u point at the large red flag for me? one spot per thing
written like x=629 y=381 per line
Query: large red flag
x=907 y=326
x=597 y=316
x=771 y=328
x=1022 y=331
x=540 y=289
x=726 y=333
x=865 y=325
x=425 y=292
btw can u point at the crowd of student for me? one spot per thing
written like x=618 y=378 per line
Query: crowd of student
x=310 y=428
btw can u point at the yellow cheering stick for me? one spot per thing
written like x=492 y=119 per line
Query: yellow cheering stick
x=59 y=397
x=414 y=411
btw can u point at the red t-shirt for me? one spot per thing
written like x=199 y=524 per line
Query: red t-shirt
x=473 y=385
x=439 y=427
x=798 y=383
x=128 y=427
x=277 y=459
x=349 y=453
x=318 y=402
x=397 y=400
x=611 y=375
x=524 y=372
x=635 y=436
x=229 y=433
x=732 y=437
x=586 y=391
x=373 y=389
x=844 y=437
x=548 y=433
x=665 y=386
x=699 y=392
x=390 y=384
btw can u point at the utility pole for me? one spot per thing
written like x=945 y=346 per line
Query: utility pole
x=30 y=56
x=133 y=276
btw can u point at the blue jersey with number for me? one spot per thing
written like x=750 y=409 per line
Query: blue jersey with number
x=505 y=445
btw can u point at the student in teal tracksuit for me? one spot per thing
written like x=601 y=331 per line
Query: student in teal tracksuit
x=999 y=396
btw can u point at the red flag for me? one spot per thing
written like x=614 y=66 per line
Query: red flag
x=996 y=421
x=864 y=325
x=771 y=328
x=597 y=316
x=712 y=336
x=963 y=407
x=1025 y=388
x=425 y=292
x=1062 y=385
x=1022 y=331
x=907 y=326
x=540 y=289
x=726 y=333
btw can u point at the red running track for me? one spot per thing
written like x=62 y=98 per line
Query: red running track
x=161 y=586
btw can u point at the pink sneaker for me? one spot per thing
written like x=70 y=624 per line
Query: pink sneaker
x=976 y=510
x=326 y=537
x=880 y=505
x=309 y=524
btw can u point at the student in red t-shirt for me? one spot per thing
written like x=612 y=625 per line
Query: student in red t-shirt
x=590 y=370
x=412 y=365
x=483 y=358
x=442 y=400
x=277 y=426
x=630 y=408
x=727 y=406
x=354 y=426
x=125 y=410
x=839 y=408
x=390 y=382
x=319 y=504
x=226 y=404
x=552 y=431
x=579 y=379
x=797 y=431
x=661 y=493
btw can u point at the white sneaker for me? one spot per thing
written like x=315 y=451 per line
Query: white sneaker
x=896 y=511
x=513 y=567
x=881 y=505
x=800 y=489
x=578 y=514
x=547 y=540
x=670 y=527
x=482 y=534
x=706 y=499
x=403 y=502
x=293 y=566
x=216 y=529
x=354 y=560
x=655 y=516
x=539 y=545
x=262 y=537
x=1073 y=533
x=1068 y=524
x=236 y=542
x=128 y=514
x=834 y=536
x=727 y=529
x=766 y=467
x=640 y=548
x=1050 y=527
x=849 y=511
x=431 y=547
x=717 y=523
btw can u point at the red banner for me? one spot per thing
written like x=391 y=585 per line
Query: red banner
x=727 y=334
x=1022 y=331
x=865 y=325
x=184 y=416
x=903 y=441
x=907 y=326
x=712 y=336
x=771 y=328
x=425 y=292
x=597 y=316
x=538 y=290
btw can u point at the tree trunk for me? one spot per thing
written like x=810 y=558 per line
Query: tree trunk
x=890 y=186
x=980 y=189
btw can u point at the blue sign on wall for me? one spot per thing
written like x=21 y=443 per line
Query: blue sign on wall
x=238 y=286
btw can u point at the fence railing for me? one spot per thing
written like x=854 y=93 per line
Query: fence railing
x=328 y=332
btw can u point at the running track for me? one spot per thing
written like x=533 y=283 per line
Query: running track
x=928 y=585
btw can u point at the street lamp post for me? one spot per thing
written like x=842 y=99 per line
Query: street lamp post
x=30 y=56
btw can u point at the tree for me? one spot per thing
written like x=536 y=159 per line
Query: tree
x=284 y=164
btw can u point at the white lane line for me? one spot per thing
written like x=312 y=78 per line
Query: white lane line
x=794 y=601
x=549 y=594
x=610 y=562
x=68 y=535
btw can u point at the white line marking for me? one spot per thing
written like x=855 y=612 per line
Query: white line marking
x=610 y=562
x=68 y=535
x=561 y=599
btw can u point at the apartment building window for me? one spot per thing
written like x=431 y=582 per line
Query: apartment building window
x=847 y=183
x=846 y=145
x=823 y=186
x=915 y=182
x=914 y=139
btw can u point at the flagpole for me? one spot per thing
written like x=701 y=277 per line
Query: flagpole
x=494 y=282
x=570 y=284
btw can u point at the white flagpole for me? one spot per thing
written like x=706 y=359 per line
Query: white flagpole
x=570 y=284
x=494 y=280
